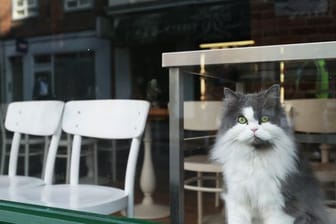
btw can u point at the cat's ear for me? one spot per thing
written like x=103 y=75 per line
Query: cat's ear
x=229 y=94
x=273 y=92
x=272 y=96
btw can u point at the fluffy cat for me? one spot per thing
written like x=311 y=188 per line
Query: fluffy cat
x=265 y=177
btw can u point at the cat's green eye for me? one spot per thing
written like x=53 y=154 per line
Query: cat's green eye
x=241 y=119
x=264 y=119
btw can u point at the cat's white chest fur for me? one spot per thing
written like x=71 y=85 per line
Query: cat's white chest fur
x=253 y=182
x=253 y=178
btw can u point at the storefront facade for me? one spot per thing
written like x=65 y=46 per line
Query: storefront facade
x=75 y=66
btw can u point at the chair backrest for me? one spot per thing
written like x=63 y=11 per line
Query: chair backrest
x=41 y=118
x=202 y=115
x=3 y=109
x=106 y=119
x=313 y=115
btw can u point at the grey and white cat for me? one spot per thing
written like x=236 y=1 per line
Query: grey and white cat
x=266 y=179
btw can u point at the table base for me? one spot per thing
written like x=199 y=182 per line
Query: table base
x=150 y=211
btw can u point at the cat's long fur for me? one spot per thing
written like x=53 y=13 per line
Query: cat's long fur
x=265 y=177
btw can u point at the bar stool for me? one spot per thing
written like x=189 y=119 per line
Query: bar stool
x=313 y=120
x=202 y=116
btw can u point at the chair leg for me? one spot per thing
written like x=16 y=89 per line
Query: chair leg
x=199 y=199
x=45 y=153
x=217 y=193
x=114 y=161
x=130 y=206
x=68 y=160
x=26 y=155
x=3 y=157
x=95 y=162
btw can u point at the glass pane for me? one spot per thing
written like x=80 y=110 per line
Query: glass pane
x=302 y=79
x=20 y=12
x=32 y=11
x=17 y=83
x=71 y=4
x=32 y=3
x=310 y=79
x=74 y=76
x=19 y=2
x=85 y=2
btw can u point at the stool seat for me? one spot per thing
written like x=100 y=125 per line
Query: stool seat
x=201 y=163
x=202 y=119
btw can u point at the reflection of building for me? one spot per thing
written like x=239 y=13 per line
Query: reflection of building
x=92 y=50
x=57 y=40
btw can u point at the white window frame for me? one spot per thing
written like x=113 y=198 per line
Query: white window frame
x=79 y=5
x=26 y=7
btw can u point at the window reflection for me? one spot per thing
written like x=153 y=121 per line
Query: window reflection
x=74 y=76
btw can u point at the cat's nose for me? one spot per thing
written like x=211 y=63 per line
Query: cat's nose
x=254 y=129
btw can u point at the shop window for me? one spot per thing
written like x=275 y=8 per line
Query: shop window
x=42 y=86
x=43 y=78
x=23 y=9
x=72 y=5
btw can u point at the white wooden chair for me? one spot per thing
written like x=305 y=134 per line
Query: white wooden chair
x=32 y=145
x=38 y=118
x=202 y=116
x=314 y=121
x=89 y=151
x=102 y=119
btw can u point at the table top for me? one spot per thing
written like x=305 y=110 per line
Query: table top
x=158 y=113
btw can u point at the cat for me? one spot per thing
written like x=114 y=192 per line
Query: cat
x=266 y=179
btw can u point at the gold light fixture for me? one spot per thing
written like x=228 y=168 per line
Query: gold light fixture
x=203 y=87
x=227 y=44
x=282 y=81
x=202 y=79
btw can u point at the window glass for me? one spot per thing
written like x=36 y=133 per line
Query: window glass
x=74 y=76
x=32 y=2
x=19 y=2
x=17 y=81
x=70 y=5
x=24 y=9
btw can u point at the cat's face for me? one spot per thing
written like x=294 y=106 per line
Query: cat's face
x=254 y=119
